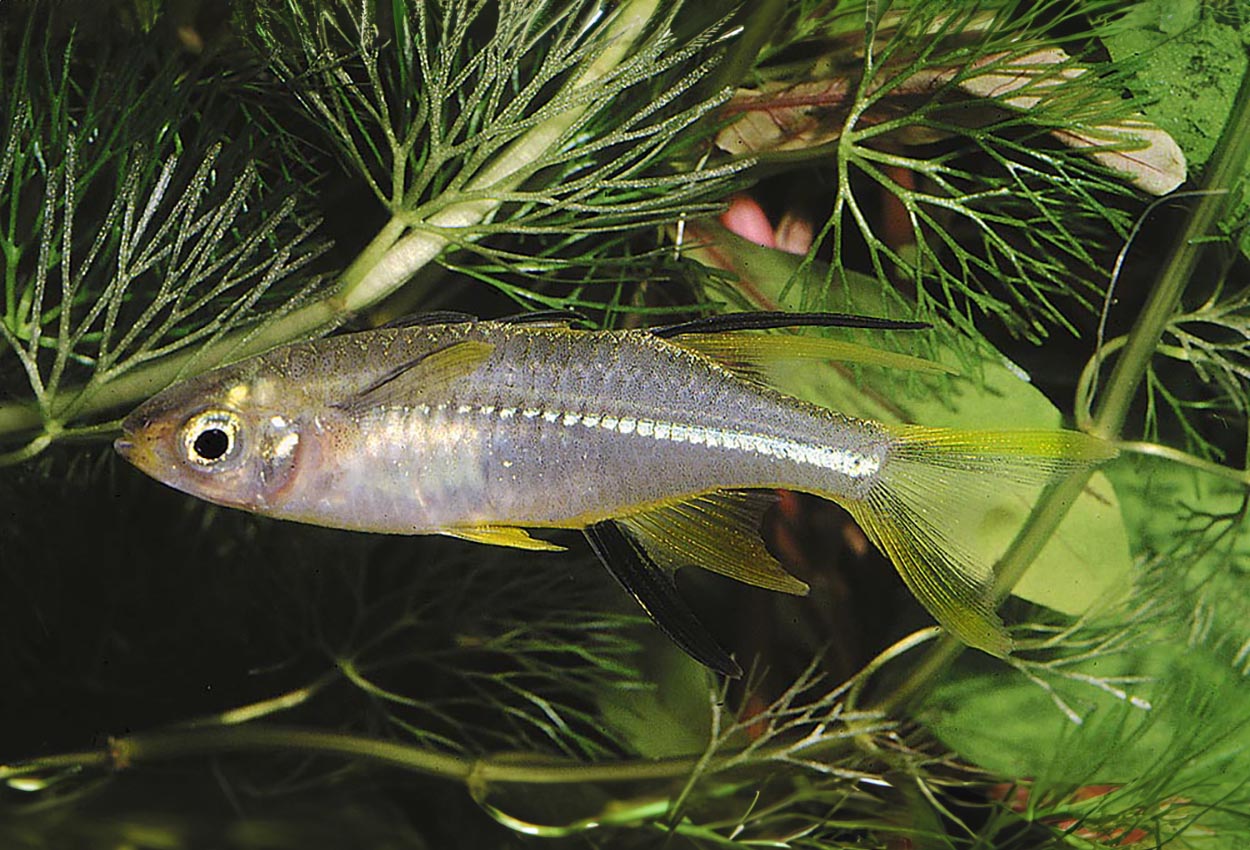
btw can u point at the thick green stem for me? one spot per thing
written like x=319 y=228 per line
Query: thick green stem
x=399 y=250
x=1224 y=170
x=151 y=747
x=1228 y=163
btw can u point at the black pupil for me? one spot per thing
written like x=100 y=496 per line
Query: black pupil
x=212 y=443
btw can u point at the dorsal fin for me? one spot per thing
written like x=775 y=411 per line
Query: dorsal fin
x=764 y=320
x=424 y=374
x=553 y=318
x=752 y=354
x=433 y=317
x=543 y=318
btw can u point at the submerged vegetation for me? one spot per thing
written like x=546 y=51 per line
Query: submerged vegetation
x=185 y=183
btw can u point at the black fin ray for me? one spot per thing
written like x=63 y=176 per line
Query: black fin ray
x=656 y=591
x=432 y=317
x=542 y=317
x=771 y=320
x=456 y=317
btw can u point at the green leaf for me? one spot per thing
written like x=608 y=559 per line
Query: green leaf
x=1188 y=67
x=1087 y=561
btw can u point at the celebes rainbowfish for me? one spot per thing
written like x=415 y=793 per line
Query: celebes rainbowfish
x=660 y=444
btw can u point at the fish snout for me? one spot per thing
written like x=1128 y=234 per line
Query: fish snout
x=142 y=435
x=139 y=421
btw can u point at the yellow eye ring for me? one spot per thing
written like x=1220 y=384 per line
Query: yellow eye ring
x=211 y=437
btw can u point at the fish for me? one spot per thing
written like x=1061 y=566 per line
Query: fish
x=664 y=446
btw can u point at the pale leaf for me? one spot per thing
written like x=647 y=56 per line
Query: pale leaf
x=810 y=114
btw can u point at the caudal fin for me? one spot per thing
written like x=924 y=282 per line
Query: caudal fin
x=936 y=489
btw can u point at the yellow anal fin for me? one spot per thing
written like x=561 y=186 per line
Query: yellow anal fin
x=936 y=490
x=754 y=354
x=504 y=535
x=719 y=532
x=427 y=374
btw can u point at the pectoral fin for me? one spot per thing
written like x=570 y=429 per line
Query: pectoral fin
x=503 y=535
x=719 y=532
x=423 y=375
x=655 y=590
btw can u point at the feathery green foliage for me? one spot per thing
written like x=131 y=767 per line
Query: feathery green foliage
x=130 y=236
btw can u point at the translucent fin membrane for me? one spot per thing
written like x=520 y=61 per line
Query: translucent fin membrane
x=719 y=532
x=754 y=354
x=1028 y=456
x=430 y=373
x=935 y=491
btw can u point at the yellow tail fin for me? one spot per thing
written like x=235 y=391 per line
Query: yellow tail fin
x=936 y=487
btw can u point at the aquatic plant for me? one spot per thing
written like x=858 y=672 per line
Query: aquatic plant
x=183 y=184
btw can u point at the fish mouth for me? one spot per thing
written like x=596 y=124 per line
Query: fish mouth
x=127 y=444
x=137 y=444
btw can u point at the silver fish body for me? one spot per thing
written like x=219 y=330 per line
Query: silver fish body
x=483 y=429
x=556 y=428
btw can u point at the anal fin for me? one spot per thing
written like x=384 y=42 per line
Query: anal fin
x=504 y=535
x=719 y=532
x=655 y=590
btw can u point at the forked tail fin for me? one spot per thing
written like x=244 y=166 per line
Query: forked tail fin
x=932 y=494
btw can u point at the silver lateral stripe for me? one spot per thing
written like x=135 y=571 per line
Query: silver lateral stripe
x=846 y=462
x=852 y=464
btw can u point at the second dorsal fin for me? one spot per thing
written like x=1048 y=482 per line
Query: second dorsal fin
x=764 y=320
x=754 y=354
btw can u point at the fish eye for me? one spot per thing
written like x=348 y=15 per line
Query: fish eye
x=211 y=437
